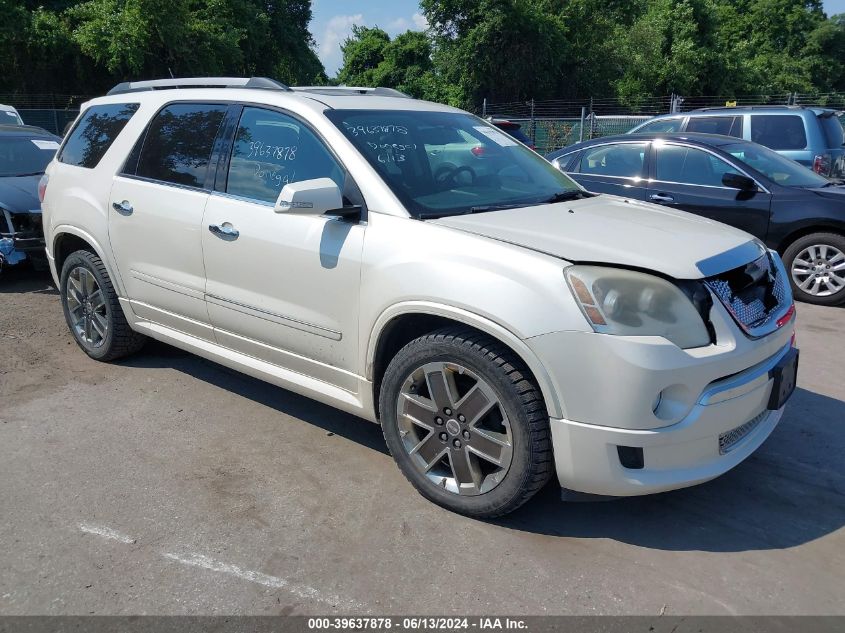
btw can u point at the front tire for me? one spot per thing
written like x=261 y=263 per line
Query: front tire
x=816 y=265
x=466 y=423
x=92 y=310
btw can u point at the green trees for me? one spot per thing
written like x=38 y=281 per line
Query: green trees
x=512 y=50
x=504 y=50
x=86 y=47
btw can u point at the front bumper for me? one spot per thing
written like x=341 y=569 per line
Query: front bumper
x=673 y=405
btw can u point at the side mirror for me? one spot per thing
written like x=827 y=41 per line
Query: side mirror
x=738 y=181
x=309 y=197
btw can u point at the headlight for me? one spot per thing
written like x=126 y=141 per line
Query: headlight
x=628 y=303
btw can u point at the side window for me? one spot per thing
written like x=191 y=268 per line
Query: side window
x=727 y=125
x=624 y=159
x=95 y=132
x=778 y=131
x=177 y=146
x=272 y=150
x=662 y=125
x=690 y=166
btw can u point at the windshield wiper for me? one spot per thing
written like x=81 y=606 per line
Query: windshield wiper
x=497 y=207
x=563 y=196
x=35 y=173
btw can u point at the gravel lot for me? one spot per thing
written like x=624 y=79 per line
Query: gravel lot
x=166 y=484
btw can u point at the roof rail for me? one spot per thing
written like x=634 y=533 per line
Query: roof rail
x=352 y=90
x=263 y=83
x=770 y=106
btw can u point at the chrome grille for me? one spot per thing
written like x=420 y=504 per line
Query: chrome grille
x=729 y=440
x=755 y=294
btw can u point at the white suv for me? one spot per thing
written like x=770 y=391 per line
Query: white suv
x=499 y=322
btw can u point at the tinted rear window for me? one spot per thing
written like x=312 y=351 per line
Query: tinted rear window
x=95 y=133
x=516 y=132
x=178 y=143
x=832 y=131
x=780 y=132
x=727 y=125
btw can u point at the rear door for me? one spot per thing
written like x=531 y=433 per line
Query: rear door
x=689 y=178
x=615 y=168
x=155 y=219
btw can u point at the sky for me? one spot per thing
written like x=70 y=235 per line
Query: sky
x=333 y=19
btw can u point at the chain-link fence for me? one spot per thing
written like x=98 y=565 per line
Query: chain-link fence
x=556 y=123
x=53 y=112
x=55 y=121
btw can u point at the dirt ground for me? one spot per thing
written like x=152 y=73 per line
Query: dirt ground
x=166 y=484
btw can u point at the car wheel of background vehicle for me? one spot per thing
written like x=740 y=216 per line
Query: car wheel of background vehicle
x=466 y=423
x=816 y=265
x=92 y=310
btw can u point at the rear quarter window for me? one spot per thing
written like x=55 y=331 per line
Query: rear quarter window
x=832 y=127
x=96 y=130
x=779 y=131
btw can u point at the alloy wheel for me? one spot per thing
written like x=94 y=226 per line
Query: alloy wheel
x=454 y=428
x=87 y=307
x=819 y=270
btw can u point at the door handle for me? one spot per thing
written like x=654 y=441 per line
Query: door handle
x=661 y=197
x=123 y=208
x=225 y=231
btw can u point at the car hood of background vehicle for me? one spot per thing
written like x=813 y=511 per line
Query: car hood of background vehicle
x=611 y=230
x=834 y=193
x=19 y=194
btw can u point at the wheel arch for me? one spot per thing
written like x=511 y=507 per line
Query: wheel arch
x=66 y=239
x=797 y=234
x=402 y=323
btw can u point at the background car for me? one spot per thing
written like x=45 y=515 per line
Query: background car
x=25 y=152
x=513 y=129
x=811 y=136
x=793 y=210
x=9 y=116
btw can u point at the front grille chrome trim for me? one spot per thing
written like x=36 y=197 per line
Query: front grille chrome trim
x=730 y=440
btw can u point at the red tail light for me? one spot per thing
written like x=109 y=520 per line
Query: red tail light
x=478 y=150
x=786 y=317
x=821 y=164
x=42 y=187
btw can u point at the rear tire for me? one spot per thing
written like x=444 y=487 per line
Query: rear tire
x=92 y=310
x=466 y=423
x=815 y=264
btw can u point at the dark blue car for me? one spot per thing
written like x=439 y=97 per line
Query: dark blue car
x=793 y=210
x=25 y=152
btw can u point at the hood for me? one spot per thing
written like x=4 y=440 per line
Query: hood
x=20 y=194
x=834 y=193
x=611 y=230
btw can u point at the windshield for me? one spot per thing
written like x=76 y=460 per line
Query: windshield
x=22 y=156
x=449 y=163
x=778 y=168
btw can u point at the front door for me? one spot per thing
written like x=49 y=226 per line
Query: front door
x=690 y=179
x=155 y=217
x=283 y=288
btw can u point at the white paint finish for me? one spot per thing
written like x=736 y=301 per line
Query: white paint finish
x=610 y=230
x=158 y=247
x=107 y=533
x=288 y=281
